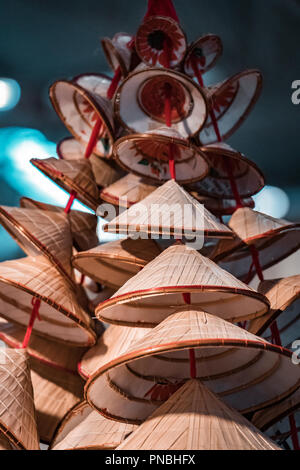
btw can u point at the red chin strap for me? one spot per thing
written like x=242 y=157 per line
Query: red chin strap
x=161 y=8
x=114 y=83
x=36 y=303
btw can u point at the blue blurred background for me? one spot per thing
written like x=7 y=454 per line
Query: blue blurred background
x=43 y=41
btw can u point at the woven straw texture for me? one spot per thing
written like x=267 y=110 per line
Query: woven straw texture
x=267 y=418
x=113 y=343
x=17 y=413
x=105 y=172
x=142 y=216
x=234 y=255
x=249 y=225
x=127 y=191
x=281 y=293
x=86 y=429
x=244 y=370
x=83 y=225
x=248 y=178
x=56 y=392
x=112 y=264
x=156 y=291
x=195 y=419
x=40 y=232
x=62 y=318
x=72 y=176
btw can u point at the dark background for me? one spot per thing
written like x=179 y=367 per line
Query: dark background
x=41 y=41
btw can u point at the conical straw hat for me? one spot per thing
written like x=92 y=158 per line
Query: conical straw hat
x=83 y=225
x=248 y=177
x=56 y=385
x=17 y=413
x=221 y=206
x=246 y=371
x=272 y=415
x=112 y=264
x=40 y=232
x=117 y=52
x=72 y=175
x=150 y=39
x=86 y=429
x=127 y=191
x=157 y=291
x=275 y=240
x=250 y=225
x=169 y=211
x=56 y=392
x=79 y=103
x=146 y=112
x=284 y=298
x=232 y=101
x=194 y=418
x=62 y=318
x=114 y=342
x=147 y=155
x=105 y=171
x=205 y=52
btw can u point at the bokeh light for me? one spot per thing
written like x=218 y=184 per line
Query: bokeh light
x=272 y=201
x=10 y=94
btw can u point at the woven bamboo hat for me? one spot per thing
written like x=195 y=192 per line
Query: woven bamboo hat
x=284 y=298
x=40 y=232
x=164 y=213
x=272 y=415
x=202 y=54
x=86 y=429
x=72 y=176
x=153 y=35
x=248 y=178
x=17 y=413
x=114 y=342
x=246 y=371
x=275 y=240
x=105 y=171
x=127 y=191
x=146 y=112
x=112 y=264
x=83 y=225
x=118 y=53
x=231 y=101
x=80 y=103
x=147 y=155
x=157 y=291
x=182 y=423
x=62 y=318
x=56 y=385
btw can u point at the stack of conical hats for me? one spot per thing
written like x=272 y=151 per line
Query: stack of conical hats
x=176 y=369
x=44 y=280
